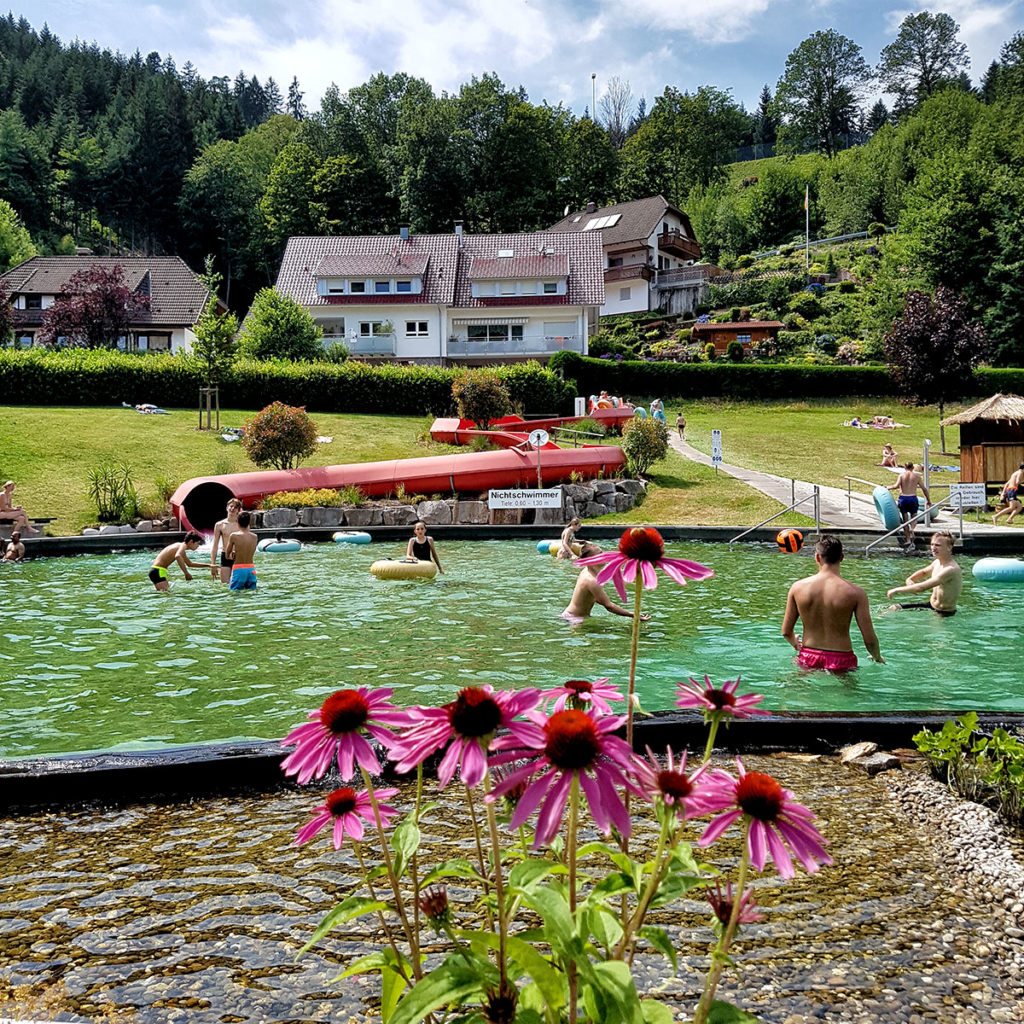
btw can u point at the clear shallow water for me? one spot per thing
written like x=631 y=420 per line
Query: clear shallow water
x=91 y=657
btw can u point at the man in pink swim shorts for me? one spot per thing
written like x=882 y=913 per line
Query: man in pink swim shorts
x=826 y=603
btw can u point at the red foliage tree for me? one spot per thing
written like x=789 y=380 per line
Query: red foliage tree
x=6 y=317
x=280 y=436
x=933 y=349
x=97 y=309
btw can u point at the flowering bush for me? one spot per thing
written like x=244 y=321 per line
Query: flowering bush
x=552 y=923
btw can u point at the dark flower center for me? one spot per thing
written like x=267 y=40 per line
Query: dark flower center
x=500 y=1007
x=722 y=908
x=572 y=740
x=474 y=713
x=720 y=698
x=642 y=543
x=674 y=784
x=760 y=796
x=579 y=686
x=341 y=801
x=434 y=903
x=344 y=711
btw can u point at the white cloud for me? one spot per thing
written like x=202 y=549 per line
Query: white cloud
x=722 y=22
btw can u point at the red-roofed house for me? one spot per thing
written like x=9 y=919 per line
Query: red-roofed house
x=448 y=298
x=648 y=244
x=176 y=297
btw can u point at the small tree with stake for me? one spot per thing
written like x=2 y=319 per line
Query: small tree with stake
x=933 y=349
x=214 y=346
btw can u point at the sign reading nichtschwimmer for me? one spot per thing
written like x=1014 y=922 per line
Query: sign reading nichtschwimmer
x=525 y=498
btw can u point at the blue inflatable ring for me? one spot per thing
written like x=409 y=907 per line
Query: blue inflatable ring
x=640 y=413
x=352 y=537
x=999 y=570
x=886 y=507
x=288 y=544
x=659 y=415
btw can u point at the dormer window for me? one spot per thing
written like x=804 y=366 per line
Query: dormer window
x=382 y=287
x=550 y=288
x=403 y=286
x=33 y=302
x=357 y=287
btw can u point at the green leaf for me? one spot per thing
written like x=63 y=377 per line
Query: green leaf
x=528 y=873
x=457 y=868
x=392 y=985
x=655 y=1012
x=368 y=965
x=726 y=1013
x=615 y=980
x=454 y=981
x=603 y=923
x=405 y=841
x=559 y=928
x=658 y=938
x=353 y=906
x=551 y=982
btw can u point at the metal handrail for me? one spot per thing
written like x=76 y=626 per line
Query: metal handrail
x=814 y=496
x=871 y=483
x=923 y=514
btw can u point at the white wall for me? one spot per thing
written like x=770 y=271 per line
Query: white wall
x=636 y=303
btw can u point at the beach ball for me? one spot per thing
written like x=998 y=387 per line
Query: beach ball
x=789 y=540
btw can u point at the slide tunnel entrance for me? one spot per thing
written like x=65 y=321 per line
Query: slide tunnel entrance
x=205 y=504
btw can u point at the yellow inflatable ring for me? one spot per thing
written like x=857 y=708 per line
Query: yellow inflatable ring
x=403 y=569
x=604 y=404
x=577 y=547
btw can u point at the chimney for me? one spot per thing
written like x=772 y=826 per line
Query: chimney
x=403 y=232
x=591 y=207
x=458 y=232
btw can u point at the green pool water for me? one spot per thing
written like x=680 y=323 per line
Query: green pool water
x=92 y=658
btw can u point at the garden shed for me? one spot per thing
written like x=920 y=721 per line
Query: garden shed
x=991 y=438
x=746 y=332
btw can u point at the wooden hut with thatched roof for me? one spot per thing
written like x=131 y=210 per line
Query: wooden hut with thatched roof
x=991 y=439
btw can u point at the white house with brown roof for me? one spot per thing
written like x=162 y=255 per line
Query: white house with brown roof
x=176 y=297
x=448 y=298
x=647 y=244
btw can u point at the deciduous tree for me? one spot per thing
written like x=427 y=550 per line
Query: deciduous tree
x=925 y=56
x=279 y=328
x=215 y=331
x=933 y=349
x=15 y=242
x=97 y=310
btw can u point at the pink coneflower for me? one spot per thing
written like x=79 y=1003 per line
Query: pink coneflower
x=581 y=695
x=723 y=700
x=338 y=729
x=468 y=725
x=668 y=782
x=774 y=816
x=572 y=744
x=722 y=904
x=643 y=549
x=346 y=807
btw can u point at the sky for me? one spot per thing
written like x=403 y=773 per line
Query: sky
x=561 y=51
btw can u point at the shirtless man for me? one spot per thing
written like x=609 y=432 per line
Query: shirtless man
x=565 y=550
x=907 y=484
x=942 y=577
x=15 y=550
x=826 y=603
x=240 y=549
x=1012 y=495
x=177 y=552
x=589 y=592
x=681 y=425
x=224 y=528
x=10 y=512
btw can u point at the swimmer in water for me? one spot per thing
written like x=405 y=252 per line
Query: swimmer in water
x=589 y=592
x=421 y=547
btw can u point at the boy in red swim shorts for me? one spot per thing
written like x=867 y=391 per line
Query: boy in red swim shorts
x=826 y=603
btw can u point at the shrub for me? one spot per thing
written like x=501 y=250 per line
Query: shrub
x=279 y=328
x=807 y=304
x=847 y=287
x=325 y=497
x=734 y=352
x=876 y=230
x=280 y=436
x=744 y=261
x=350 y=494
x=871 y=349
x=644 y=442
x=735 y=313
x=687 y=314
x=602 y=345
x=164 y=488
x=709 y=351
x=683 y=334
x=113 y=493
x=790 y=341
x=826 y=343
x=846 y=353
x=481 y=396
x=830 y=264
x=589 y=426
x=336 y=352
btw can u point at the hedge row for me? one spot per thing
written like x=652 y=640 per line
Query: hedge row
x=751 y=381
x=84 y=377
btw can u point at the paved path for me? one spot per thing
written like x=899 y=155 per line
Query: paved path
x=834 y=512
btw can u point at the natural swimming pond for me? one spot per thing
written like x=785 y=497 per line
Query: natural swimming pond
x=91 y=657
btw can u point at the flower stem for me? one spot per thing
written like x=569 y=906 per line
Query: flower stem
x=715 y=717
x=657 y=874
x=481 y=859
x=412 y=937
x=399 y=966
x=499 y=888
x=634 y=643
x=721 y=952
x=570 y=850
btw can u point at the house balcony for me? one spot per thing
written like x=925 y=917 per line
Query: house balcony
x=681 y=277
x=523 y=348
x=378 y=345
x=675 y=243
x=632 y=272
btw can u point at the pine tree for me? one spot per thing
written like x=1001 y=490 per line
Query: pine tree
x=295 y=106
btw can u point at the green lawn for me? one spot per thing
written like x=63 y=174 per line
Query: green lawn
x=49 y=453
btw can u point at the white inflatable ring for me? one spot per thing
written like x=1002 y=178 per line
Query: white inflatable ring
x=403 y=569
x=886 y=507
x=288 y=544
x=352 y=537
x=999 y=570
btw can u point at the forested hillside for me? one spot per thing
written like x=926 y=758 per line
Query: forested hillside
x=132 y=154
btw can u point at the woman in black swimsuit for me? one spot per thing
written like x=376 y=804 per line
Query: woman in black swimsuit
x=421 y=546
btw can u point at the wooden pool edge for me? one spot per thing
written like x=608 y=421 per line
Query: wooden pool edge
x=119 y=778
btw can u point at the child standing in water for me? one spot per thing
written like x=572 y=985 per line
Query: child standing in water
x=421 y=546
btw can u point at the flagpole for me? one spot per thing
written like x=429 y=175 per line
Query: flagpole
x=807 y=229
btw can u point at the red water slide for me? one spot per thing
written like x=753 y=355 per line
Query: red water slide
x=200 y=502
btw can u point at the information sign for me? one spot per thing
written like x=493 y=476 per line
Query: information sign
x=716 y=448
x=525 y=498
x=967 y=495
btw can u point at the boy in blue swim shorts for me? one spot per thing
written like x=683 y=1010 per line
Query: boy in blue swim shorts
x=241 y=548
x=907 y=484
